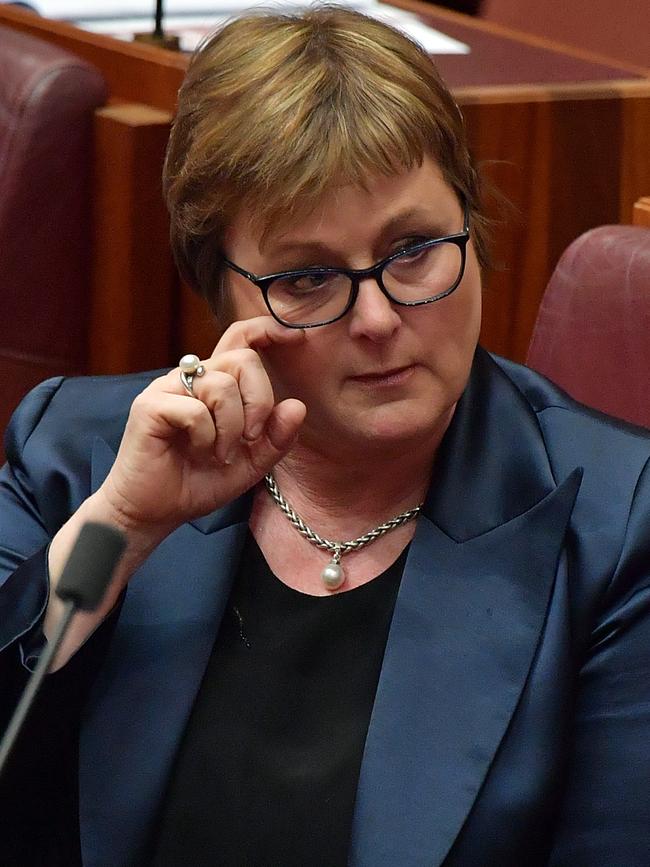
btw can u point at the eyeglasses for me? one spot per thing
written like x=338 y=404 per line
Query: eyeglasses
x=420 y=274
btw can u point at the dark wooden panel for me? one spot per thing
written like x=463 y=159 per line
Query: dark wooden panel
x=641 y=215
x=560 y=167
x=134 y=281
x=635 y=157
x=196 y=328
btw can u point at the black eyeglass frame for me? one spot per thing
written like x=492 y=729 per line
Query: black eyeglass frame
x=356 y=275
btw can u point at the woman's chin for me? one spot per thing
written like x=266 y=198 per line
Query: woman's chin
x=395 y=427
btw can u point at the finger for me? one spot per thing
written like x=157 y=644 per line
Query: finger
x=172 y=383
x=280 y=433
x=161 y=414
x=254 y=387
x=219 y=392
x=258 y=332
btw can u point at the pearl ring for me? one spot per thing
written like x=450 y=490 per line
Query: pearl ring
x=190 y=366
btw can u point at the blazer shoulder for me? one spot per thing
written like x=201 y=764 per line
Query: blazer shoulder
x=72 y=409
x=555 y=407
x=614 y=455
x=53 y=430
x=28 y=413
x=50 y=439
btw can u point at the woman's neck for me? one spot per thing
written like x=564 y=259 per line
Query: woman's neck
x=328 y=489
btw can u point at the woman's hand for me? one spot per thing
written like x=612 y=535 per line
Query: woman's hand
x=183 y=456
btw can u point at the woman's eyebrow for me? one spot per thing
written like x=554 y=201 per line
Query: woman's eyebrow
x=413 y=219
x=309 y=248
x=298 y=255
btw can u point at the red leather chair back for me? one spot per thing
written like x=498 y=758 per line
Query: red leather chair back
x=47 y=98
x=592 y=334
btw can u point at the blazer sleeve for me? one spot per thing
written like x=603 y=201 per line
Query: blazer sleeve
x=24 y=536
x=605 y=814
x=44 y=480
x=38 y=791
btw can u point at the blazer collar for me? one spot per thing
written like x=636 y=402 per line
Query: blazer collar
x=492 y=463
x=467 y=621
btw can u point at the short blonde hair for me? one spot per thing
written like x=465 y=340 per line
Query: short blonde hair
x=276 y=109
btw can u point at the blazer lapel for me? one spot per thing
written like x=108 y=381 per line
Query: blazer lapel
x=466 y=625
x=145 y=690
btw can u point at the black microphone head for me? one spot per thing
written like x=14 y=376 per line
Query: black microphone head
x=91 y=564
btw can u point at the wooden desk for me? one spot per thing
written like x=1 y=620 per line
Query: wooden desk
x=563 y=133
x=641 y=215
x=621 y=30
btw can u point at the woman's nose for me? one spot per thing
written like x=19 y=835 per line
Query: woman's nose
x=373 y=315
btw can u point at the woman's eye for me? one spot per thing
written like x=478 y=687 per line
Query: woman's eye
x=408 y=244
x=412 y=251
x=309 y=282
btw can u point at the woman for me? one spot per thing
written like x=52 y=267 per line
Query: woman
x=463 y=685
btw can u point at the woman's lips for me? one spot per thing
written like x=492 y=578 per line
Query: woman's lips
x=395 y=376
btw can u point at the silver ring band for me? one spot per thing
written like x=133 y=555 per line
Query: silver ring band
x=189 y=367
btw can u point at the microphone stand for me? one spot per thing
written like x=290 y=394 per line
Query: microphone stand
x=34 y=684
x=159 y=38
x=82 y=585
x=158 y=28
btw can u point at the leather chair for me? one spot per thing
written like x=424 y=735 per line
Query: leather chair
x=47 y=99
x=592 y=334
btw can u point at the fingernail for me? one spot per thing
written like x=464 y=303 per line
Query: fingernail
x=230 y=457
x=256 y=430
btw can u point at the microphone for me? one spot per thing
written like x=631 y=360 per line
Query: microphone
x=90 y=566
x=83 y=582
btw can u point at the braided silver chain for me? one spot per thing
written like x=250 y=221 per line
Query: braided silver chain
x=336 y=548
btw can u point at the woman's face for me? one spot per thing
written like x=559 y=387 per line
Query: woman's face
x=383 y=376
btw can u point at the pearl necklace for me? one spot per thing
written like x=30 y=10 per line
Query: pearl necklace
x=333 y=574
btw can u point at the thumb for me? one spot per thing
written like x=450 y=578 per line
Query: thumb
x=279 y=434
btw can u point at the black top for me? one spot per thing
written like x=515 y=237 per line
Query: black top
x=268 y=768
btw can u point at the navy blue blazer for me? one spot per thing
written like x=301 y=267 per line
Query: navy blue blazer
x=511 y=724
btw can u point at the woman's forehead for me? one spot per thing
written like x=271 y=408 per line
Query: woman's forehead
x=383 y=203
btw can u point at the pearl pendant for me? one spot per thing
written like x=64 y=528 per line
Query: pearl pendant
x=333 y=575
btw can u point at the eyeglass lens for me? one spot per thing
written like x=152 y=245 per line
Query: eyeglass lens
x=417 y=275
